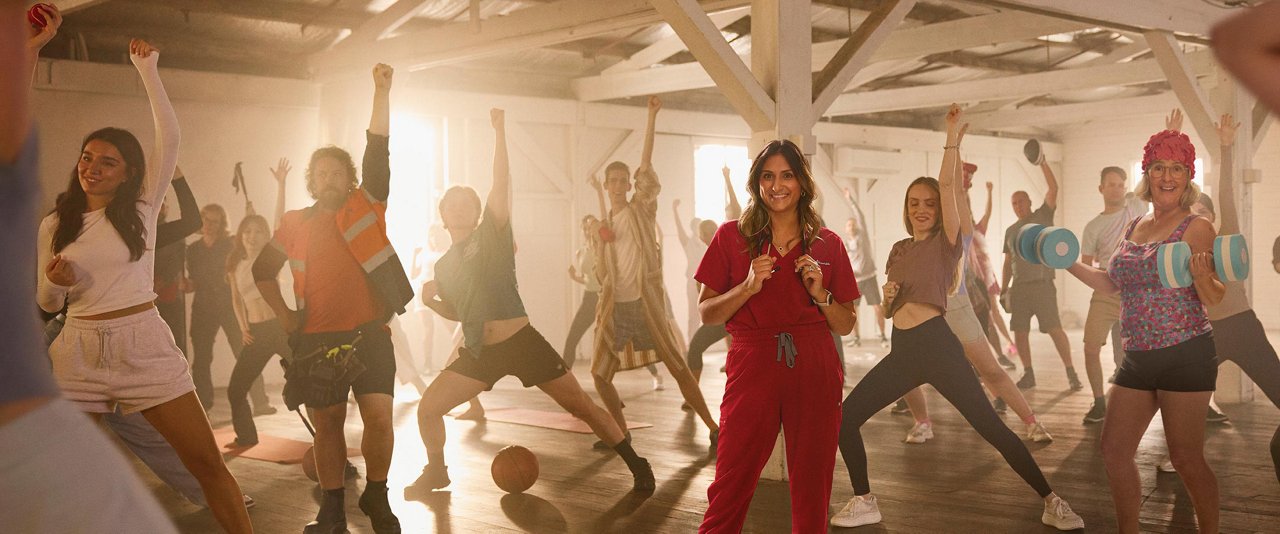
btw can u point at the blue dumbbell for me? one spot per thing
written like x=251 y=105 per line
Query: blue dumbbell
x=1230 y=260
x=1051 y=246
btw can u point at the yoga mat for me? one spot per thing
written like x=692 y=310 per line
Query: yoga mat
x=553 y=420
x=269 y=448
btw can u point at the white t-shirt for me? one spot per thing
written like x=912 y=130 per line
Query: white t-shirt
x=627 y=257
x=1103 y=234
x=256 y=309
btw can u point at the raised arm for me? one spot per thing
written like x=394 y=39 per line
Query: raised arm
x=680 y=231
x=37 y=38
x=189 y=223
x=376 y=166
x=164 y=157
x=19 y=51
x=981 y=226
x=646 y=156
x=949 y=179
x=1051 y=183
x=1248 y=45
x=1230 y=221
x=499 y=203
x=594 y=182
x=281 y=174
x=732 y=209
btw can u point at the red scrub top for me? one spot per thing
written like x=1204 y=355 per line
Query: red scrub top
x=782 y=301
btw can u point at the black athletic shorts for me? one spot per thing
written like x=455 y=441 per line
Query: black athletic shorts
x=525 y=355
x=373 y=350
x=1186 y=367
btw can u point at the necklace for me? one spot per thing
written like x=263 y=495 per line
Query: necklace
x=785 y=247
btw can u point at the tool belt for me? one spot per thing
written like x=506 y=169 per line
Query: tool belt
x=321 y=373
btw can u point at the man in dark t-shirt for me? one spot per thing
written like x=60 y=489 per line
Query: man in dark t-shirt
x=1027 y=290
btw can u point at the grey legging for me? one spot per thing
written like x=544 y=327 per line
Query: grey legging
x=1241 y=339
x=928 y=354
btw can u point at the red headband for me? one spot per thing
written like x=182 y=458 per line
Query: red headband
x=1170 y=145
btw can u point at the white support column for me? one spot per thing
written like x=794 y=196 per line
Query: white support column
x=856 y=52
x=720 y=61
x=781 y=58
x=1195 y=103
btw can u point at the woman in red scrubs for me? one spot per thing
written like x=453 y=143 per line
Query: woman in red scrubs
x=781 y=283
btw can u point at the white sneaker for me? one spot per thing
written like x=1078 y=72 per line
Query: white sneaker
x=1166 y=466
x=1058 y=514
x=920 y=433
x=1037 y=433
x=657 y=383
x=861 y=510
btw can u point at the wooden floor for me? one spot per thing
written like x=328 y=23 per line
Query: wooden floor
x=953 y=483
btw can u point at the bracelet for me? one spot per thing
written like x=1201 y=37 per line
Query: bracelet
x=824 y=303
x=949 y=147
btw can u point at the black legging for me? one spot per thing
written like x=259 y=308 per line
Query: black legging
x=703 y=339
x=928 y=354
x=269 y=339
x=208 y=315
x=582 y=321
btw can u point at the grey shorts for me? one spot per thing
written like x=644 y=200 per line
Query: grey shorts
x=131 y=361
x=961 y=319
x=1035 y=299
x=870 y=290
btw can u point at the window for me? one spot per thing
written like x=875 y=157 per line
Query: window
x=708 y=190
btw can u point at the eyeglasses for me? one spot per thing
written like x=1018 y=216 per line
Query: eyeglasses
x=1159 y=169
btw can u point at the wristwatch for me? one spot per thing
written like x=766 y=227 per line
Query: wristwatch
x=824 y=303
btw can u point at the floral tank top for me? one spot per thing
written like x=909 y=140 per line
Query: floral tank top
x=1151 y=315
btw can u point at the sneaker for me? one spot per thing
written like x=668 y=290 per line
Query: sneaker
x=1073 y=381
x=920 y=433
x=434 y=477
x=1058 y=514
x=884 y=344
x=1005 y=362
x=1214 y=416
x=861 y=510
x=644 y=481
x=657 y=383
x=265 y=410
x=684 y=406
x=249 y=503
x=900 y=408
x=1037 y=434
x=1027 y=381
x=1166 y=466
x=1001 y=406
x=374 y=505
x=1097 y=413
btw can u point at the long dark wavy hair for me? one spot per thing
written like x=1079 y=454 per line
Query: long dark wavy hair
x=122 y=211
x=754 y=222
x=238 y=252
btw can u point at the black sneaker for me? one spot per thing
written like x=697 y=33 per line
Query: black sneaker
x=1000 y=406
x=433 y=477
x=644 y=481
x=1027 y=381
x=1214 y=416
x=374 y=504
x=1097 y=413
x=900 y=408
x=1005 y=362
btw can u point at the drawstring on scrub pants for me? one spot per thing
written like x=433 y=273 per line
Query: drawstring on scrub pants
x=787 y=346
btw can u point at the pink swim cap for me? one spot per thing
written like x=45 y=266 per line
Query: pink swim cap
x=1170 y=145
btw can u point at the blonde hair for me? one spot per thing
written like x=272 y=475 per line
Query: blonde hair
x=1189 y=195
x=754 y=222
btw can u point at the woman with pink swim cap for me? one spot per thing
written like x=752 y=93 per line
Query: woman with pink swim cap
x=1170 y=364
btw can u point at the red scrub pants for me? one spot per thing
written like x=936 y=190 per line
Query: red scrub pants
x=764 y=391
